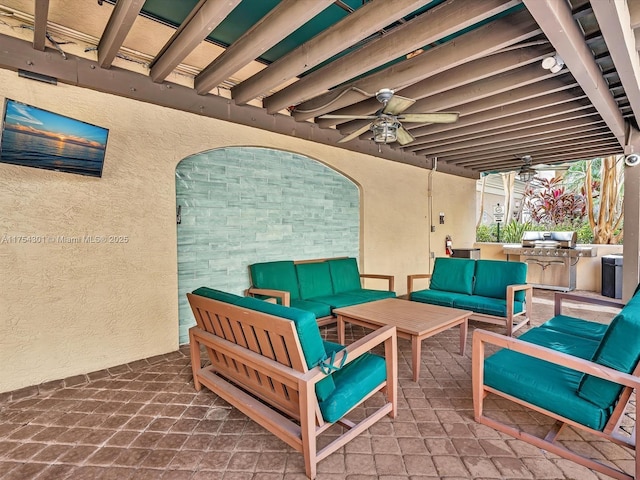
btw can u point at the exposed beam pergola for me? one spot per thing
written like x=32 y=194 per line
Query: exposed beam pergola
x=557 y=23
x=357 y=26
x=443 y=20
x=204 y=17
x=40 y=24
x=120 y=22
x=286 y=16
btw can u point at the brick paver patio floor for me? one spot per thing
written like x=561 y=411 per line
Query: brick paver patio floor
x=145 y=421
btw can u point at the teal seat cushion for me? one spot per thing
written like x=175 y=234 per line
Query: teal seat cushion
x=345 y=275
x=314 y=280
x=436 y=297
x=487 y=305
x=576 y=326
x=320 y=310
x=453 y=275
x=305 y=323
x=339 y=300
x=352 y=384
x=619 y=349
x=543 y=383
x=363 y=295
x=280 y=275
x=493 y=276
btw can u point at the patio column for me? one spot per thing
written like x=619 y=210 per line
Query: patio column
x=631 y=247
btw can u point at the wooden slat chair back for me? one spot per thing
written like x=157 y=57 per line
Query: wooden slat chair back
x=257 y=365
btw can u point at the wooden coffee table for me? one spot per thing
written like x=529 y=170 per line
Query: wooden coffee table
x=413 y=320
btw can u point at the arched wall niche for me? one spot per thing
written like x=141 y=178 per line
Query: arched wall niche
x=243 y=205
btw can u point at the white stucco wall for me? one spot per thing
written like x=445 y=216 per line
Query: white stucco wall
x=71 y=308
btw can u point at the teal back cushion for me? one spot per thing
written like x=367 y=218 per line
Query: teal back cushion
x=345 y=275
x=305 y=323
x=314 y=279
x=279 y=275
x=493 y=277
x=453 y=275
x=619 y=349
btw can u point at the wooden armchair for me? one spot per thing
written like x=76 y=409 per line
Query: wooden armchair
x=260 y=365
x=576 y=372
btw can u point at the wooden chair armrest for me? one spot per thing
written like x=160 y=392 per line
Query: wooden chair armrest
x=482 y=337
x=390 y=278
x=415 y=276
x=357 y=349
x=283 y=295
x=574 y=297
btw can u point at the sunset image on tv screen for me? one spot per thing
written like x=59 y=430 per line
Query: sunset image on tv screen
x=37 y=138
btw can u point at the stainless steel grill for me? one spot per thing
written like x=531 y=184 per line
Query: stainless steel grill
x=552 y=258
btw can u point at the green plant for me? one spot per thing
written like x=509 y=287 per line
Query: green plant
x=486 y=233
x=512 y=231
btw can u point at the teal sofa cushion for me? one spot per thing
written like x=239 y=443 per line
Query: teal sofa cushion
x=436 y=297
x=453 y=275
x=280 y=275
x=340 y=300
x=493 y=276
x=353 y=383
x=314 y=279
x=543 y=383
x=320 y=310
x=486 y=305
x=345 y=275
x=305 y=324
x=619 y=349
x=364 y=295
x=576 y=326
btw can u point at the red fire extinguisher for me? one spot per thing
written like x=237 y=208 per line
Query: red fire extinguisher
x=448 y=245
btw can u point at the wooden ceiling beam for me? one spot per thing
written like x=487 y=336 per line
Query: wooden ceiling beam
x=484 y=95
x=558 y=25
x=120 y=22
x=279 y=23
x=614 y=20
x=486 y=40
x=551 y=155
x=465 y=74
x=543 y=116
x=520 y=149
x=538 y=135
x=531 y=98
x=355 y=27
x=40 y=16
x=434 y=25
x=204 y=17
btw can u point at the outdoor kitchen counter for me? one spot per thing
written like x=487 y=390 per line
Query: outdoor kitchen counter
x=552 y=258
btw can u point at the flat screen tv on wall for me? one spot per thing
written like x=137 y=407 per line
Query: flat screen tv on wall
x=37 y=138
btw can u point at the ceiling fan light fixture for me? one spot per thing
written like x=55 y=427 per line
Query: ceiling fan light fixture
x=526 y=174
x=385 y=130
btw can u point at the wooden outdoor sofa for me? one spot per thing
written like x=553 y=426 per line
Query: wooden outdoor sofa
x=270 y=362
x=318 y=286
x=494 y=290
x=576 y=372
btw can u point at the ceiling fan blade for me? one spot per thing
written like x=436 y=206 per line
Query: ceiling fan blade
x=404 y=137
x=355 y=134
x=350 y=117
x=438 y=117
x=397 y=104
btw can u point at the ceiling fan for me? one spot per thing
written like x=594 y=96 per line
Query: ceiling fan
x=386 y=123
x=528 y=171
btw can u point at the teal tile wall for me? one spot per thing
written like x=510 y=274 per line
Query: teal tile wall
x=245 y=205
